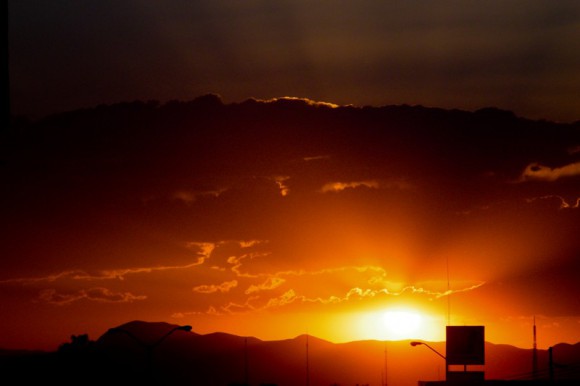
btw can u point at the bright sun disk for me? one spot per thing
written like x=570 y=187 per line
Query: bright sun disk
x=402 y=324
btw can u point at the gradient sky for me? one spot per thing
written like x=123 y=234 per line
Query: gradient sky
x=520 y=55
x=273 y=218
x=276 y=218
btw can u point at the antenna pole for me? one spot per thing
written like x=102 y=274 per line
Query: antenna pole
x=307 y=364
x=246 y=372
x=535 y=353
x=6 y=66
x=551 y=363
x=386 y=377
x=448 y=293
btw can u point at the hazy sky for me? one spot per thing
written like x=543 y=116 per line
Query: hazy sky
x=276 y=218
x=520 y=55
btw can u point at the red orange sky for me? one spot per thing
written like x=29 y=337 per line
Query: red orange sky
x=276 y=217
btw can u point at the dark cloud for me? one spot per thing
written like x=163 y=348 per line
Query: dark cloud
x=519 y=55
x=108 y=169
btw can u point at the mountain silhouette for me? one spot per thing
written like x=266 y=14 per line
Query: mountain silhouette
x=220 y=358
x=225 y=359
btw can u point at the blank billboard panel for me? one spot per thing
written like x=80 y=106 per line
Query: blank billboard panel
x=465 y=345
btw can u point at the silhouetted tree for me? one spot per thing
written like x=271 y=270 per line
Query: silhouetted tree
x=78 y=344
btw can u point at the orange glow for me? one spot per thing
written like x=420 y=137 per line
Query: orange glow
x=399 y=323
x=344 y=229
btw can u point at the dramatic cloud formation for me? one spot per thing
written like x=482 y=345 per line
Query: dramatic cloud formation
x=268 y=218
x=321 y=195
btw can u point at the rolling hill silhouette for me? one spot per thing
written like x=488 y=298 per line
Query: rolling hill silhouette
x=225 y=359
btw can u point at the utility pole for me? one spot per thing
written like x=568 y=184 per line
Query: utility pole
x=307 y=364
x=246 y=371
x=386 y=376
x=551 y=363
x=448 y=293
x=535 y=353
x=6 y=65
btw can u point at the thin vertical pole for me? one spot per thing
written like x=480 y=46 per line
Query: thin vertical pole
x=386 y=376
x=535 y=353
x=6 y=66
x=307 y=364
x=448 y=293
x=246 y=372
x=551 y=363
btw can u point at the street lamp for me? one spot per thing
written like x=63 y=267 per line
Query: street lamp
x=416 y=343
x=149 y=347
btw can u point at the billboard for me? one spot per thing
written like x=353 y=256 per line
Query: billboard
x=465 y=345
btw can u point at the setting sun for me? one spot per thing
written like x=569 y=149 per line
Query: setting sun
x=399 y=324
x=290 y=193
x=402 y=324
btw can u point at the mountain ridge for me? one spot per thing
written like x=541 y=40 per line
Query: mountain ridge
x=221 y=358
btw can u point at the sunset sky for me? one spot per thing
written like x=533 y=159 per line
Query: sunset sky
x=278 y=217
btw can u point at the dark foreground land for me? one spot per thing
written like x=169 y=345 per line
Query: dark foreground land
x=187 y=358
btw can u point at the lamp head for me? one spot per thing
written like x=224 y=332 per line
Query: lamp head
x=416 y=343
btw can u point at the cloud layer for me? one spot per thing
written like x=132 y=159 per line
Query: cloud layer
x=216 y=212
x=518 y=55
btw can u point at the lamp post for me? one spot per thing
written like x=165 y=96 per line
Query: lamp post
x=416 y=343
x=149 y=347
